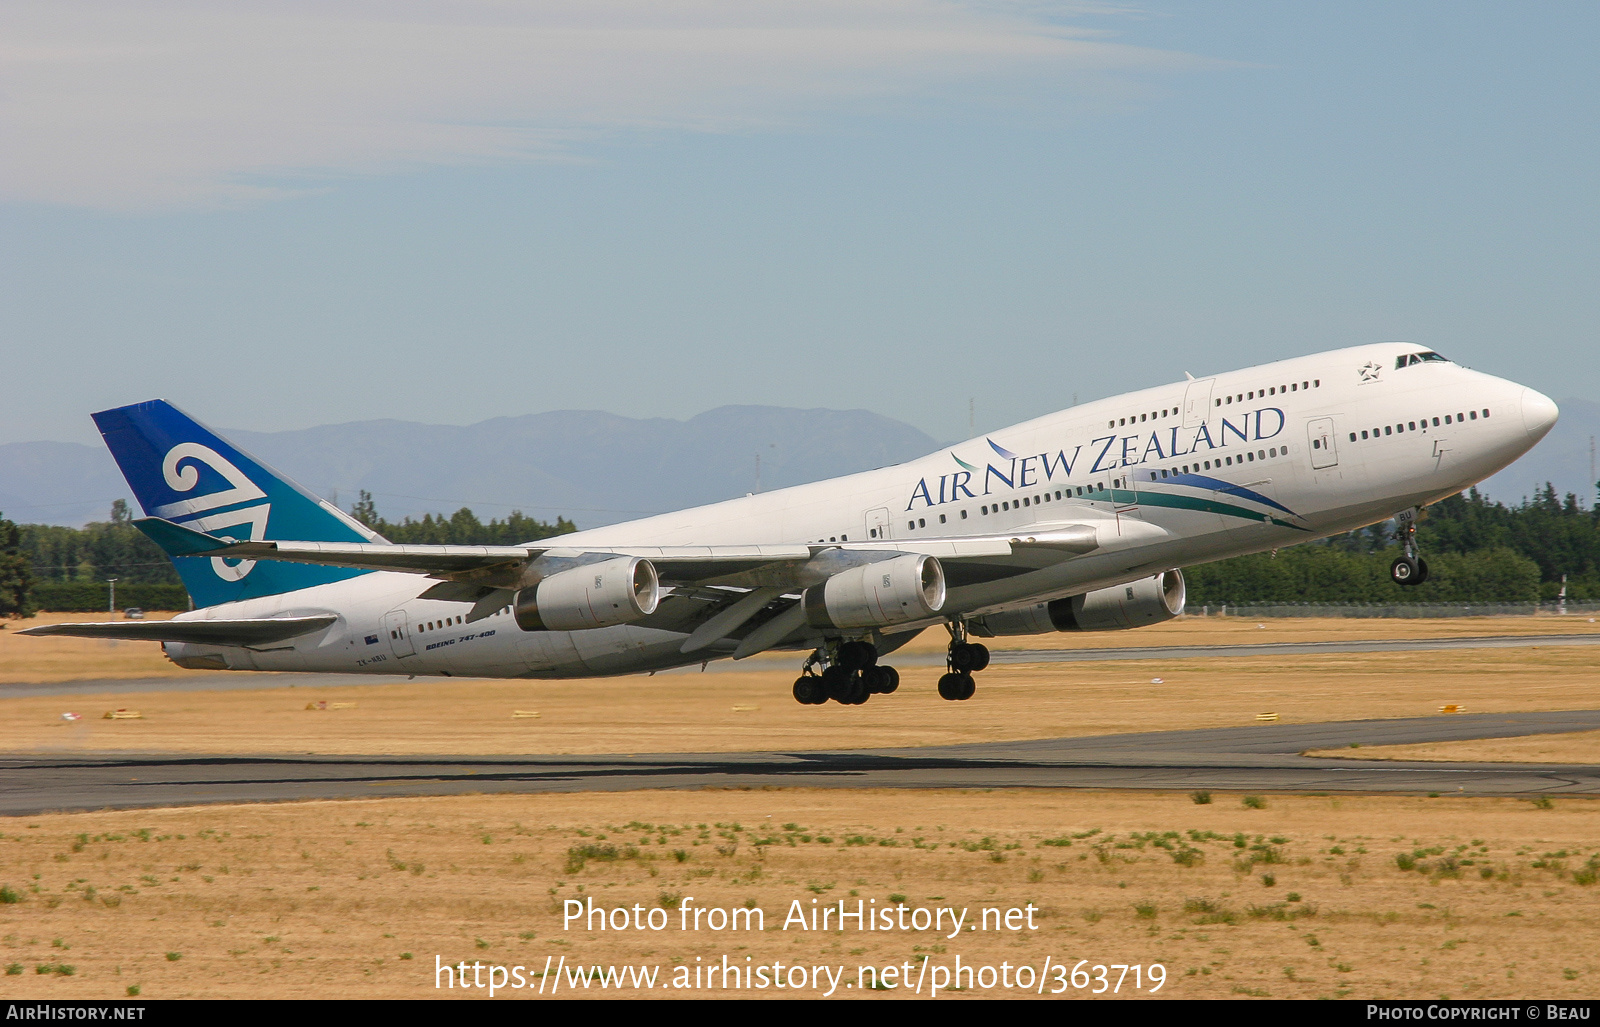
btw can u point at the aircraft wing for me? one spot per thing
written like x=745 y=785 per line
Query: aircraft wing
x=748 y=566
x=261 y=631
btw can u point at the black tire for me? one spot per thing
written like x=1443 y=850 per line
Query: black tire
x=876 y=679
x=1422 y=570
x=836 y=683
x=969 y=687
x=857 y=655
x=808 y=691
x=953 y=687
x=963 y=656
x=980 y=653
x=860 y=691
x=1404 y=571
x=891 y=680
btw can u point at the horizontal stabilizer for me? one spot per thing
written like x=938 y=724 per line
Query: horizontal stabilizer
x=176 y=540
x=262 y=631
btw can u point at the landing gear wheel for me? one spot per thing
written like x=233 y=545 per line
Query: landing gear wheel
x=859 y=690
x=890 y=680
x=1407 y=571
x=808 y=691
x=836 y=683
x=876 y=678
x=980 y=656
x=857 y=655
x=957 y=687
x=964 y=657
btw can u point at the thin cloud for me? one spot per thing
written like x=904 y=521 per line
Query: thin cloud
x=170 y=104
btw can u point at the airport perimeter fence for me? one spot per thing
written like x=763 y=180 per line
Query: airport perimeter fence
x=1397 y=610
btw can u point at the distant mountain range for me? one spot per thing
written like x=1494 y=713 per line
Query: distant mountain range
x=593 y=468
x=598 y=468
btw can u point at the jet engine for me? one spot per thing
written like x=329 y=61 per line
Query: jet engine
x=595 y=595
x=893 y=591
x=1146 y=601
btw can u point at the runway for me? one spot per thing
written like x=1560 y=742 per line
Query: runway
x=1262 y=758
x=248 y=680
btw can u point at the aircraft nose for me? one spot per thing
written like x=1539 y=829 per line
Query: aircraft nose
x=1539 y=413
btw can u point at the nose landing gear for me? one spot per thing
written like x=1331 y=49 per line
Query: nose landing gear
x=1409 y=568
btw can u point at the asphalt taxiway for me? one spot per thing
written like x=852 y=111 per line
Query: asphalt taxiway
x=1264 y=758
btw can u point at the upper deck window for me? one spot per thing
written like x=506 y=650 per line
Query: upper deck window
x=1407 y=359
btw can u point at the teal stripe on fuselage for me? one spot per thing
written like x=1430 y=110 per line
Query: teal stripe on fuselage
x=1177 y=502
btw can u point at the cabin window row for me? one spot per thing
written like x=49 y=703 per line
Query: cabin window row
x=1137 y=418
x=1271 y=390
x=1270 y=453
x=1422 y=425
x=1017 y=504
x=448 y=622
x=922 y=522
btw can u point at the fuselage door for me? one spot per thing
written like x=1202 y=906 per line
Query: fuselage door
x=1124 y=499
x=1319 y=437
x=878 y=523
x=394 y=622
x=1197 y=402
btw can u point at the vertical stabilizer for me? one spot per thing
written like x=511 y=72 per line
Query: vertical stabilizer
x=183 y=471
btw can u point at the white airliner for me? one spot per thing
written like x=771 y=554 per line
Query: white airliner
x=1077 y=521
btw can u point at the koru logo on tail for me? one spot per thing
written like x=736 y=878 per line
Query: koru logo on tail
x=181 y=474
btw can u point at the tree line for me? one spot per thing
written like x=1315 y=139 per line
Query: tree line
x=461 y=528
x=1478 y=551
x=46 y=566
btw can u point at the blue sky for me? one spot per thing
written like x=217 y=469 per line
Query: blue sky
x=298 y=214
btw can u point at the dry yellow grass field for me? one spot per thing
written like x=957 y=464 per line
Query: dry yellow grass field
x=78 y=659
x=1576 y=747
x=743 y=709
x=1307 y=897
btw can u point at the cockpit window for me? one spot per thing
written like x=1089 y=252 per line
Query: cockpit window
x=1407 y=359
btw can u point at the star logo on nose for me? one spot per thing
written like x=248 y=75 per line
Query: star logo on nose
x=1369 y=371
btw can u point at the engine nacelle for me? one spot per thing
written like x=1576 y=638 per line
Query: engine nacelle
x=1146 y=601
x=595 y=595
x=895 y=591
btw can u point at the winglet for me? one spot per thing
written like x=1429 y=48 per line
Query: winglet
x=176 y=540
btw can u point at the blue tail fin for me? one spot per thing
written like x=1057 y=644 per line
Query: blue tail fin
x=183 y=471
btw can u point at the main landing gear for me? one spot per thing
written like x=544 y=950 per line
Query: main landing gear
x=1409 y=568
x=850 y=676
x=963 y=659
x=848 y=673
